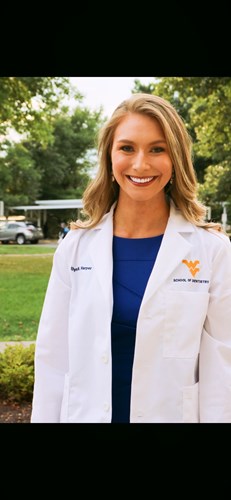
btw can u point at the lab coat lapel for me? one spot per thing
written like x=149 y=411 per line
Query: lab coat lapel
x=173 y=250
x=101 y=254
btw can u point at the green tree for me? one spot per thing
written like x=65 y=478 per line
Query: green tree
x=19 y=179
x=27 y=104
x=64 y=165
x=30 y=170
x=216 y=189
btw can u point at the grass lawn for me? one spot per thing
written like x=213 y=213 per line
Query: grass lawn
x=24 y=249
x=23 y=283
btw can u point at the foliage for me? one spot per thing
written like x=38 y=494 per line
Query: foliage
x=217 y=177
x=64 y=165
x=17 y=373
x=26 y=101
x=140 y=87
x=55 y=154
x=60 y=169
x=19 y=180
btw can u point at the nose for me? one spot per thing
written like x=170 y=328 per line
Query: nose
x=140 y=162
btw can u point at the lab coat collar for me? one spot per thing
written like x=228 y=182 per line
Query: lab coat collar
x=174 y=248
x=174 y=216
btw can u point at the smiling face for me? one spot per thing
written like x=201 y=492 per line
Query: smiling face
x=141 y=163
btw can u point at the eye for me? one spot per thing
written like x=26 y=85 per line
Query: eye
x=157 y=149
x=127 y=148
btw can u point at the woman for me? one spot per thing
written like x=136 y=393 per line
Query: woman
x=136 y=321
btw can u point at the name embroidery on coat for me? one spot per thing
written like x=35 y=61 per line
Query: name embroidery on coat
x=81 y=268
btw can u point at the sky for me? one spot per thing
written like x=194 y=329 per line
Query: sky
x=108 y=91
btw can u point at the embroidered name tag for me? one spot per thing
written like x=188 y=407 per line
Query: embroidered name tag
x=189 y=280
x=81 y=268
x=193 y=269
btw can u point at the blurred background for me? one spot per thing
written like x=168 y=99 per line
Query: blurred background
x=48 y=130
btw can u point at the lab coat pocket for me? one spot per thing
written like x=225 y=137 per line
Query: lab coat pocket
x=65 y=400
x=185 y=313
x=191 y=404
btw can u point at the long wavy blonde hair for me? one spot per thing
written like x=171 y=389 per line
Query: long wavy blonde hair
x=101 y=193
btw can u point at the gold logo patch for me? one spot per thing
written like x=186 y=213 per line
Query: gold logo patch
x=192 y=266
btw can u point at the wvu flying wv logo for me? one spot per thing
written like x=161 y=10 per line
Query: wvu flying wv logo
x=192 y=266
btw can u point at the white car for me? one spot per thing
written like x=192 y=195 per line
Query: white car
x=20 y=232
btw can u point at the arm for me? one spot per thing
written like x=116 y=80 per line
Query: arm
x=215 y=353
x=51 y=353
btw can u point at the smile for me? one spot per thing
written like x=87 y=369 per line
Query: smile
x=141 y=181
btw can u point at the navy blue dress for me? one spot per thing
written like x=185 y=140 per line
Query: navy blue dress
x=133 y=260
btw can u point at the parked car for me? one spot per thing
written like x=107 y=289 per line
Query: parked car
x=20 y=232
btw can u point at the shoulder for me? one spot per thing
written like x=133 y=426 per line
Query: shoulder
x=208 y=237
x=71 y=239
x=208 y=234
x=216 y=245
x=218 y=238
x=85 y=235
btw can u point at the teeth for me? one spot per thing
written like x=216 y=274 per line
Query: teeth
x=141 y=180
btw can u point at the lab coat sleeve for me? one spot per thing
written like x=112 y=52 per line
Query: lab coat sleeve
x=215 y=352
x=51 y=352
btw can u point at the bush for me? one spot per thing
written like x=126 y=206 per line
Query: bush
x=17 y=373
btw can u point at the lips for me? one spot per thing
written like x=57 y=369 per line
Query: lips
x=141 y=181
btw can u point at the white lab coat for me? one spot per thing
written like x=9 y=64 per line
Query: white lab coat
x=182 y=360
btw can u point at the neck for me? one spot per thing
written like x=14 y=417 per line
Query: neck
x=140 y=220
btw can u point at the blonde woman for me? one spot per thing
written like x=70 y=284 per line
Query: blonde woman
x=136 y=321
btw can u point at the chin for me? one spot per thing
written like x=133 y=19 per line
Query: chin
x=142 y=199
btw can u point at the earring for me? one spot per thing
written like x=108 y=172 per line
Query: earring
x=112 y=178
x=173 y=176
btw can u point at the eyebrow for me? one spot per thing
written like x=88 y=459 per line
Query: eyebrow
x=150 y=144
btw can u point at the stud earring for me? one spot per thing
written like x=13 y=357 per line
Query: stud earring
x=173 y=176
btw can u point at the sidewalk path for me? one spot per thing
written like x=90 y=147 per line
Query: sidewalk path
x=5 y=344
